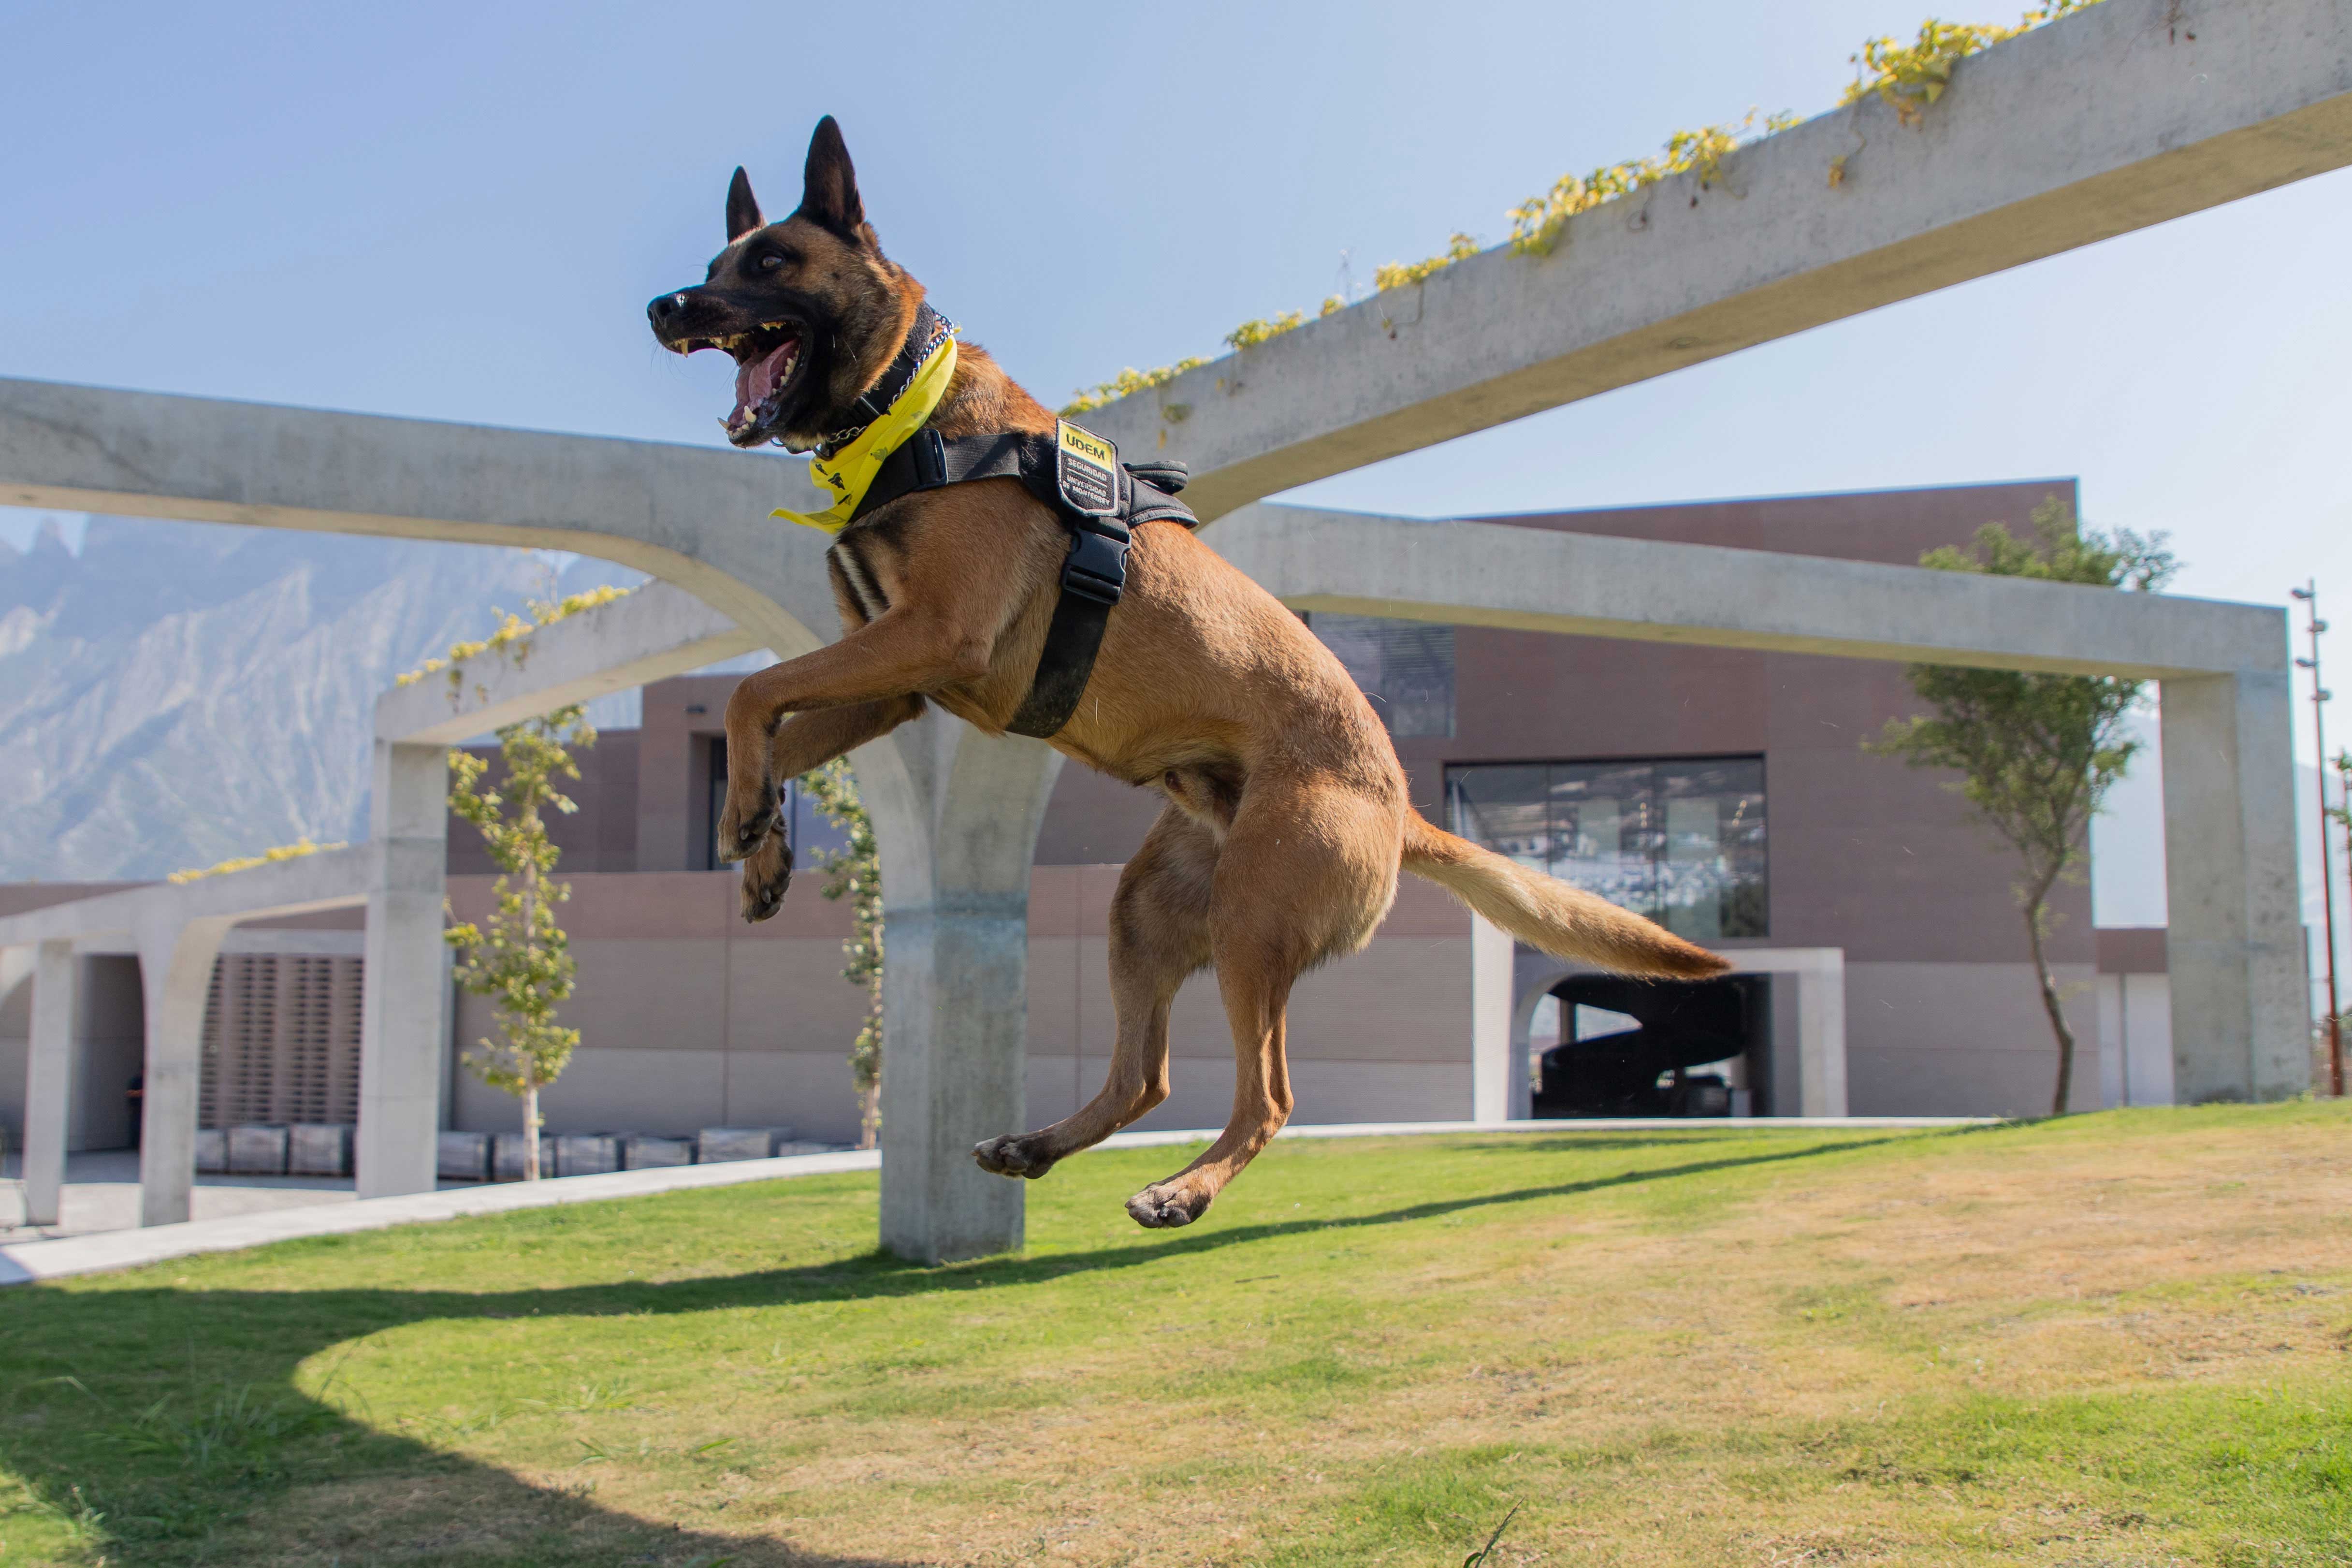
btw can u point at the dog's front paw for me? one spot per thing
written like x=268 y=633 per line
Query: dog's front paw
x=1023 y=1157
x=746 y=823
x=766 y=875
x=1166 y=1204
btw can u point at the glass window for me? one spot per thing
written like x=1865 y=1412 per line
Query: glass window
x=1680 y=841
x=1405 y=668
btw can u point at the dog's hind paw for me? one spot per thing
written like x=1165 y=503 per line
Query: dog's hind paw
x=1167 y=1206
x=1011 y=1156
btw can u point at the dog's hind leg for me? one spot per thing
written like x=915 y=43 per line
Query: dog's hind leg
x=803 y=742
x=1158 y=934
x=1307 y=871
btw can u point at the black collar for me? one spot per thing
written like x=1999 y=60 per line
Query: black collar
x=930 y=328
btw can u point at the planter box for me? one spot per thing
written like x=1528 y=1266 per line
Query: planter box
x=645 y=1154
x=319 y=1149
x=785 y=1147
x=718 y=1145
x=506 y=1157
x=212 y=1150
x=257 y=1151
x=464 y=1157
x=587 y=1153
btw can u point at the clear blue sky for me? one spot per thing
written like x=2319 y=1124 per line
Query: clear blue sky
x=459 y=211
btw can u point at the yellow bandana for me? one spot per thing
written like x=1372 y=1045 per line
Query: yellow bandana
x=847 y=474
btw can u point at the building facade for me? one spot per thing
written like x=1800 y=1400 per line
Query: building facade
x=1723 y=793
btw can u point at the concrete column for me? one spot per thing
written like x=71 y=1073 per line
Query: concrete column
x=1820 y=975
x=2240 y=1016
x=176 y=972
x=405 y=994
x=1498 y=1068
x=48 y=1080
x=956 y=815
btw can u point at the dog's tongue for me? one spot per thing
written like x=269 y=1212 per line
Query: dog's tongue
x=755 y=382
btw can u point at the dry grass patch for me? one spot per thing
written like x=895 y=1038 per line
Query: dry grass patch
x=2113 y=1340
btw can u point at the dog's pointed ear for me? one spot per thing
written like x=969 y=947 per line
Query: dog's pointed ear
x=829 y=190
x=742 y=207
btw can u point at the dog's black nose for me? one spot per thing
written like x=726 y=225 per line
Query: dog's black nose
x=664 y=307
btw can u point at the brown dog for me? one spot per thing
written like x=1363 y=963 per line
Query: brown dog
x=1286 y=819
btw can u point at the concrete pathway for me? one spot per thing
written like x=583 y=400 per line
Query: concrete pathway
x=238 y=1212
x=102 y=1192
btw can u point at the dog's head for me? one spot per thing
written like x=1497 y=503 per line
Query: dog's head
x=810 y=308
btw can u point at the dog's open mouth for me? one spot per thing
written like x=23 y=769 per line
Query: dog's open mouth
x=767 y=362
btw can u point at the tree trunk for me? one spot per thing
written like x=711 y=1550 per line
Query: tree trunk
x=2050 y=1003
x=529 y=826
x=869 y=1113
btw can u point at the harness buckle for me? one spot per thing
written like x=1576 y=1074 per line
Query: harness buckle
x=1097 y=568
x=930 y=459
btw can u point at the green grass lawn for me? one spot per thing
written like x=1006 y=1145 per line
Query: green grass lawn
x=2117 y=1339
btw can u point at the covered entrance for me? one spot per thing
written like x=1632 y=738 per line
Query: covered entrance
x=1633 y=1047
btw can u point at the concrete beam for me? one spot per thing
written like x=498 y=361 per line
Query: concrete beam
x=690 y=515
x=655 y=632
x=329 y=880
x=2129 y=114
x=1582 y=585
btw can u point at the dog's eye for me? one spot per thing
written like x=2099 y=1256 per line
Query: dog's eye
x=770 y=263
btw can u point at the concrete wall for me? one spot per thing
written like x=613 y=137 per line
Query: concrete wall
x=1963 y=1039
x=1382 y=1036
x=2134 y=993
x=691 y=1019
x=1866 y=854
x=694 y=1019
x=643 y=794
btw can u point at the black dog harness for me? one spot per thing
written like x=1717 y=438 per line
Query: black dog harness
x=1099 y=500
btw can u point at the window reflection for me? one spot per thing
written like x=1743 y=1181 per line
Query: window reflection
x=1680 y=841
x=1405 y=668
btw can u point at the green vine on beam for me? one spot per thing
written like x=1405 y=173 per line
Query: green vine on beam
x=1537 y=221
x=510 y=641
x=1908 y=77
x=294 y=851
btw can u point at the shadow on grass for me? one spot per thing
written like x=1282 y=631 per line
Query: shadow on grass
x=155 y=1419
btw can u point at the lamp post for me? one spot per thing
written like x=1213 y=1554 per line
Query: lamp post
x=2309 y=594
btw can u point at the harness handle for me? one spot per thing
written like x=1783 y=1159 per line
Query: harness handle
x=1169 y=474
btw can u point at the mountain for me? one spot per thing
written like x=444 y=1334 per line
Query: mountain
x=176 y=693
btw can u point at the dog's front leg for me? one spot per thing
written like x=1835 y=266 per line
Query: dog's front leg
x=803 y=742
x=877 y=670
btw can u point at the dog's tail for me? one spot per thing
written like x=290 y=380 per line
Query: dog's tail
x=1546 y=913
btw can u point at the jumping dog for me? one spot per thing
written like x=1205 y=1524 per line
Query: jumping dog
x=1286 y=819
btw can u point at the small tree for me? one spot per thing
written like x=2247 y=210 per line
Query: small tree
x=855 y=872
x=518 y=957
x=2036 y=753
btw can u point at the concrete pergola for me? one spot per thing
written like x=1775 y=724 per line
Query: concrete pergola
x=2124 y=116
x=399 y=876
x=177 y=930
